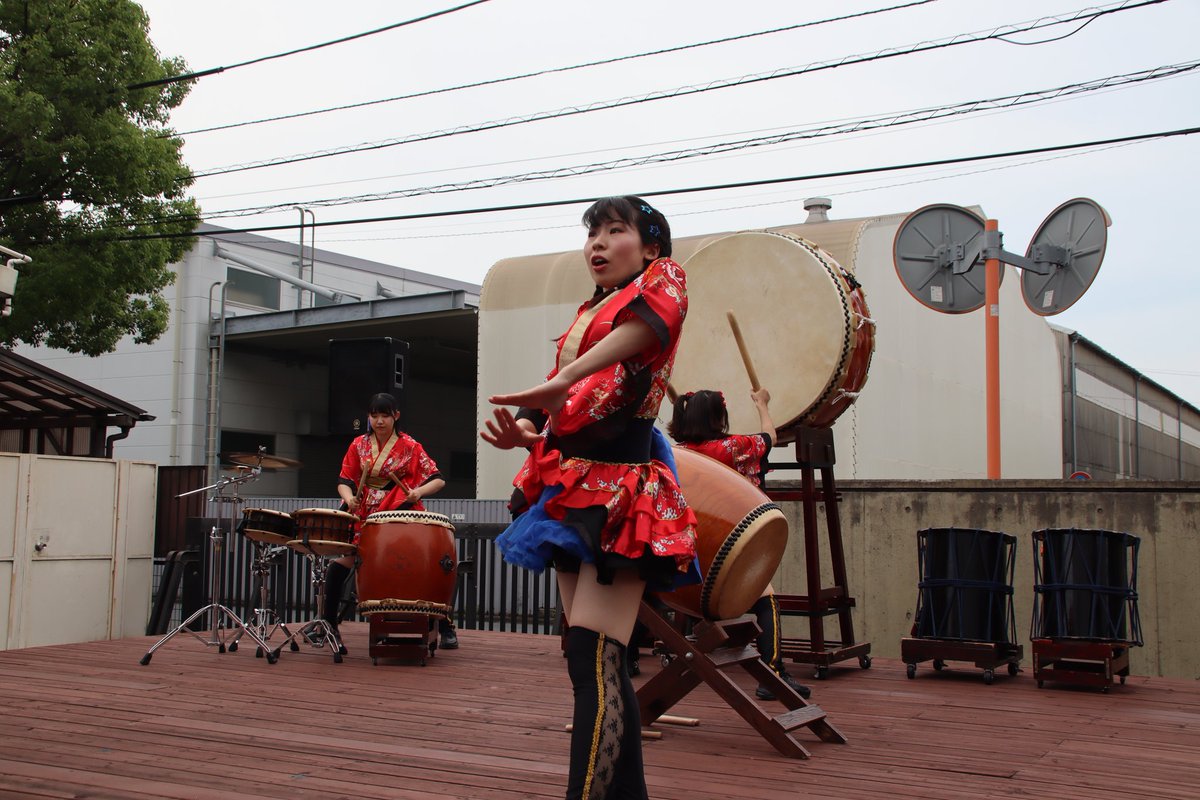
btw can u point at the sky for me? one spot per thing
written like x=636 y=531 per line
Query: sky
x=911 y=59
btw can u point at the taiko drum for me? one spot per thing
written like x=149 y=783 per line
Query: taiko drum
x=409 y=563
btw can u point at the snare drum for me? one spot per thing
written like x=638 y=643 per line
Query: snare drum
x=409 y=564
x=804 y=318
x=323 y=532
x=267 y=525
x=740 y=539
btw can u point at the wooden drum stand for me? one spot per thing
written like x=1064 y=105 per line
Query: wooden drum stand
x=814 y=451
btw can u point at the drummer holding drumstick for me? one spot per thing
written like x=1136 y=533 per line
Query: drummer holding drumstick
x=385 y=469
x=700 y=422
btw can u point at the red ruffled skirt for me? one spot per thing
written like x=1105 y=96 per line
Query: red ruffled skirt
x=646 y=513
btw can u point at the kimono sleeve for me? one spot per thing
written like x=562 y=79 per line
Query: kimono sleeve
x=662 y=304
x=351 y=472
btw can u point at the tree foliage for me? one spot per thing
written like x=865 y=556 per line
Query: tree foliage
x=85 y=163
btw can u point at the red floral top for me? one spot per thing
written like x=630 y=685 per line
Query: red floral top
x=746 y=454
x=403 y=465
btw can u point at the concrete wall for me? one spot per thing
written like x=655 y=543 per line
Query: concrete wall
x=880 y=521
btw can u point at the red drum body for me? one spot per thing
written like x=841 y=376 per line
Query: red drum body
x=740 y=539
x=804 y=318
x=409 y=563
x=267 y=525
x=323 y=532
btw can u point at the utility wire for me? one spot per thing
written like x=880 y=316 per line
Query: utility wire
x=744 y=80
x=852 y=126
x=688 y=190
x=551 y=71
x=217 y=70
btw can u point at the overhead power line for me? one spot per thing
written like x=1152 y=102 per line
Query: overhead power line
x=552 y=70
x=959 y=39
x=217 y=70
x=688 y=190
x=851 y=126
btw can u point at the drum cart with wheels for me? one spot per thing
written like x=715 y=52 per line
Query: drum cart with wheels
x=964 y=602
x=407 y=637
x=814 y=451
x=1080 y=663
x=988 y=656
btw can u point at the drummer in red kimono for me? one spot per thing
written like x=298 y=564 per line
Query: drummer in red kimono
x=700 y=422
x=385 y=469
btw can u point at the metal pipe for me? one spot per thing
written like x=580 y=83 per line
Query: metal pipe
x=1074 y=396
x=216 y=359
x=328 y=294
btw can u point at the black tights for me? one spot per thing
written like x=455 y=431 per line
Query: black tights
x=766 y=612
x=606 y=737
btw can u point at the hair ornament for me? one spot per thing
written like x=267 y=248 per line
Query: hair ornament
x=655 y=231
x=688 y=395
x=646 y=209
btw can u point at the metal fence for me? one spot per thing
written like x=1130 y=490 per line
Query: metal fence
x=490 y=594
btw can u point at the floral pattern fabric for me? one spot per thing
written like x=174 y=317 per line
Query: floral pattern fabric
x=745 y=454
x=405 y=466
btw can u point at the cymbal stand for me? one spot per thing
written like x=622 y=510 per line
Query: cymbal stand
x=217 y=612
x=266 y=618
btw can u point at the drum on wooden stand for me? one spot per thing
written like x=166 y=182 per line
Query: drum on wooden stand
x=409 y=564
x=740 y=539
x=804 y=318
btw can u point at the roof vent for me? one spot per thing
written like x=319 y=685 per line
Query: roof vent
x=817 y=208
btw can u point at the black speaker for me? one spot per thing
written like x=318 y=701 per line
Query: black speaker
x=1087 y=582
x=359 y=369
x=965 y=585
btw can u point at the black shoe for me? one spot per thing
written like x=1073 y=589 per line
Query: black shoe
x=448 y=640
x=763 y=693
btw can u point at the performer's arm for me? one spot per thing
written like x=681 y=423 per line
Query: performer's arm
x=761 y=400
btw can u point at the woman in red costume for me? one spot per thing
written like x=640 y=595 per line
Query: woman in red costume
x=700 y=422
x=597 y=497
x=385 y=469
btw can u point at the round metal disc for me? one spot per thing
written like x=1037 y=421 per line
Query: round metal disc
x=1078 y=231
x=938 y=256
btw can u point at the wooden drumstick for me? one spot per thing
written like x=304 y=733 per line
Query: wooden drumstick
x=669 y=719
x=672 y=395
x=741 y=343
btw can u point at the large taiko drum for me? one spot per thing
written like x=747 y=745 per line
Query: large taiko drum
x=740 y=539
x=323 y=532
x=267 y=525
x=804 y=319
x=409 y=563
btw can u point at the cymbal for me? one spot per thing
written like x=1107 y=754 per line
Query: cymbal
x=268 y=461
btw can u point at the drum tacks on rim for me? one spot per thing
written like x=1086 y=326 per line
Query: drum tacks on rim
x=804 y=318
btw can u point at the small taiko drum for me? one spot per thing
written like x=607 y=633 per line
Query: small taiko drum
x=804 y=318
x=323 y=532
x=740 y=539
x=409 y=564
x=267 y=525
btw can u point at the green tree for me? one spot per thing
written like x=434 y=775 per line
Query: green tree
x=85 y=161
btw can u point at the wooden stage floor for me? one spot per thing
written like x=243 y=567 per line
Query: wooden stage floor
x=486 y=721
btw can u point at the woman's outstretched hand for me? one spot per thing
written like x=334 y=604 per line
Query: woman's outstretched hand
x=507 y=432
x=550 y=396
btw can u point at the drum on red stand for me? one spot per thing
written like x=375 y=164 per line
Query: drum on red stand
x=740 y=539
x=409 y=563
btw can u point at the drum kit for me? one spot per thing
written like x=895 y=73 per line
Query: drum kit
x=414 y=550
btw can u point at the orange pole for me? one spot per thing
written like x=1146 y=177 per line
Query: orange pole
x=992 y=357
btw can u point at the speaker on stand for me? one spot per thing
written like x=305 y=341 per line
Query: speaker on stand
x=359 y=369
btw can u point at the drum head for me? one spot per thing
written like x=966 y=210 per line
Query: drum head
x=411 y=518
x=754 y=554
x=792 y=308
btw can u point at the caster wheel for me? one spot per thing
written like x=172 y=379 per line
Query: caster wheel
x=337 y=658
x=258 y=652
x=989 y=676
x=145 y=659
x=1122 y=680
x=221 y=647
x=822 y=673
x=342 y=650
x=233 y=647
x=272 y=658
x=911 y=671
x=665 y=661
x=1104 y=689
x=1013 y=669
x=938 y=664
x=864 y=662
x=1040 y=683
x=374 y=662
x=295 y=648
